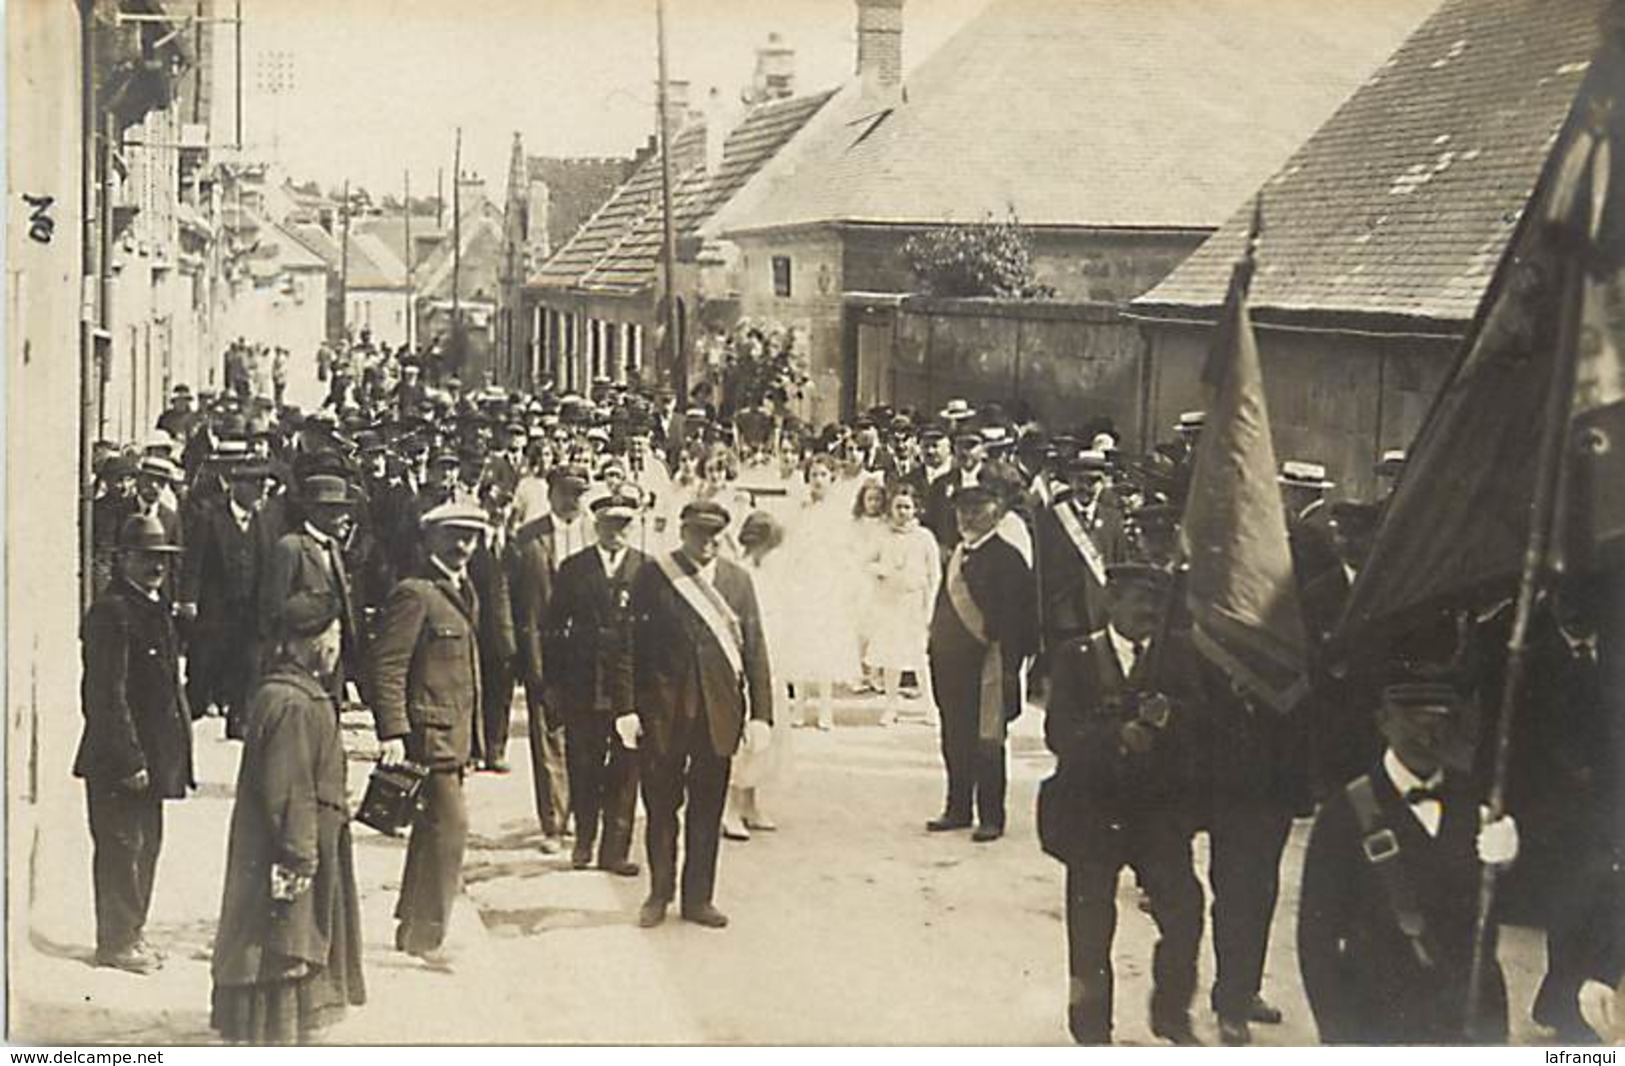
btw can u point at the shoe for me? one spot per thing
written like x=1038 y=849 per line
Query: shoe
x=580 y=860
x=1263 y=1012
x=551 y=845
x=825 y=727
x=497 y=767
x=131 y=960
x=986 y=834
x=437 y=959
x=946 y=824
x=734 y=830
x=761 y=823
x=401 y=937
x=1235 y=1032
x=1177 y=1031
x=707 y=915
x=623 y=868
x=652 y=913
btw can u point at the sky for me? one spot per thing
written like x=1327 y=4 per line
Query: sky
x=376 y=88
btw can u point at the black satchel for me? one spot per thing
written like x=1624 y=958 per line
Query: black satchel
x=394 y=797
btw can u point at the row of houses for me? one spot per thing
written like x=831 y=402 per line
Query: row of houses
x=1394 y=144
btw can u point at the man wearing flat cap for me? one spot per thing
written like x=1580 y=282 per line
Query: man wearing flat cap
x=1126 y=723
x=540 y=547
x=1077 y=537
x=424 y=679
x=217 y=579
x=1388 y=908
x=589 y=654
x=982 y=630
x=136 y=749
x=310 y=559
x=700 y=670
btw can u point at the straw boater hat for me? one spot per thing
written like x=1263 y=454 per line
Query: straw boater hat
x=456 y=515
x=1304 y=475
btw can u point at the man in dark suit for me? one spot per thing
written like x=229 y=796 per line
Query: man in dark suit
x=217 y=582
x=1076 y=538
x=540 y=548
x=310 y=559
x=700 y=669
x=1127 y=723
x=136 y=749
x=589 y=649
x=424 y=676
x=982 y=631
x=970 y=456
x=491 y=571
x=1387 y=913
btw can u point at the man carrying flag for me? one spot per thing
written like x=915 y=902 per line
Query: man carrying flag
x=1248 y=626
x=700 y=670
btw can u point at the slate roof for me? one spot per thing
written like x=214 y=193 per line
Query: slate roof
x=576 y=187
x=1402 y=204
x=372 y=265
x=1115 y=113
x=619 y=248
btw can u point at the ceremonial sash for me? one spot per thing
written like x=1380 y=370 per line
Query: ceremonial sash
x=1081 y=540
x=708 y=603
x=990 y=720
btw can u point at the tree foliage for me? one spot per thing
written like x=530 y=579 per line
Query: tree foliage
x=761 y=364
x=990 y=258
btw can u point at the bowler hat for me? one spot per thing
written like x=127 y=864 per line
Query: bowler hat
x=145 y=533
x=326 y=489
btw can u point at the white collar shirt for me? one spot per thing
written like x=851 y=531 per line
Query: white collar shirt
x=611 y=559
x=1125 y=649
x=1429 y=813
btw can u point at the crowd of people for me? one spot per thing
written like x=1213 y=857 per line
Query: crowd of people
x=673 y=587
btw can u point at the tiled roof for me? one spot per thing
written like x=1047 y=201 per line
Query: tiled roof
x=1402 y=204
x=372 y=265
x=391 y=229
x=618 y=250
x=1119 y=113
x=575 y=189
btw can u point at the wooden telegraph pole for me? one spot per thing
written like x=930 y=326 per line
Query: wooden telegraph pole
x=674 y=361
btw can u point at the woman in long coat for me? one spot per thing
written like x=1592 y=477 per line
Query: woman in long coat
x=287 y=955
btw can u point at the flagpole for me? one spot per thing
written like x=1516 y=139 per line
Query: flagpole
x=1543 y=514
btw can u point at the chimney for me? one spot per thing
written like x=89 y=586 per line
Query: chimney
x=880 y=46
x=775 y=76
x=676 y=102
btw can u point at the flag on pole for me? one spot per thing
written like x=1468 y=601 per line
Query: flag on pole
x=1240 y=587
x=1459 y=523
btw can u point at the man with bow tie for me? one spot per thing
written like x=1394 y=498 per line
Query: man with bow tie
x=1127 y=723
x=424 y=677
x=1388 y=908
x=981 y=633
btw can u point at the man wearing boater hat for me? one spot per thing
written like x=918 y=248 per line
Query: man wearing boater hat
x=700 y=672
x=136 y=750
x=424 y=678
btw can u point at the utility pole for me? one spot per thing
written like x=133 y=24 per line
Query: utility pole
x=439 y=197
x=344 y=267
x=457 y=245
x=238 y=28
x=675 y=361
x=411 y=309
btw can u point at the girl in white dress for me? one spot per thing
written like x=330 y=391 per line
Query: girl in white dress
x=820 y=627
x=907 y=569
x=869 y=522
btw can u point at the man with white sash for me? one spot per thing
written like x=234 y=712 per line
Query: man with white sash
x=982 y=630
x=1078 y=537
x=700 y=670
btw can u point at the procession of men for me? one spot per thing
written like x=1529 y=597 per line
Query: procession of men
x=426 y=554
